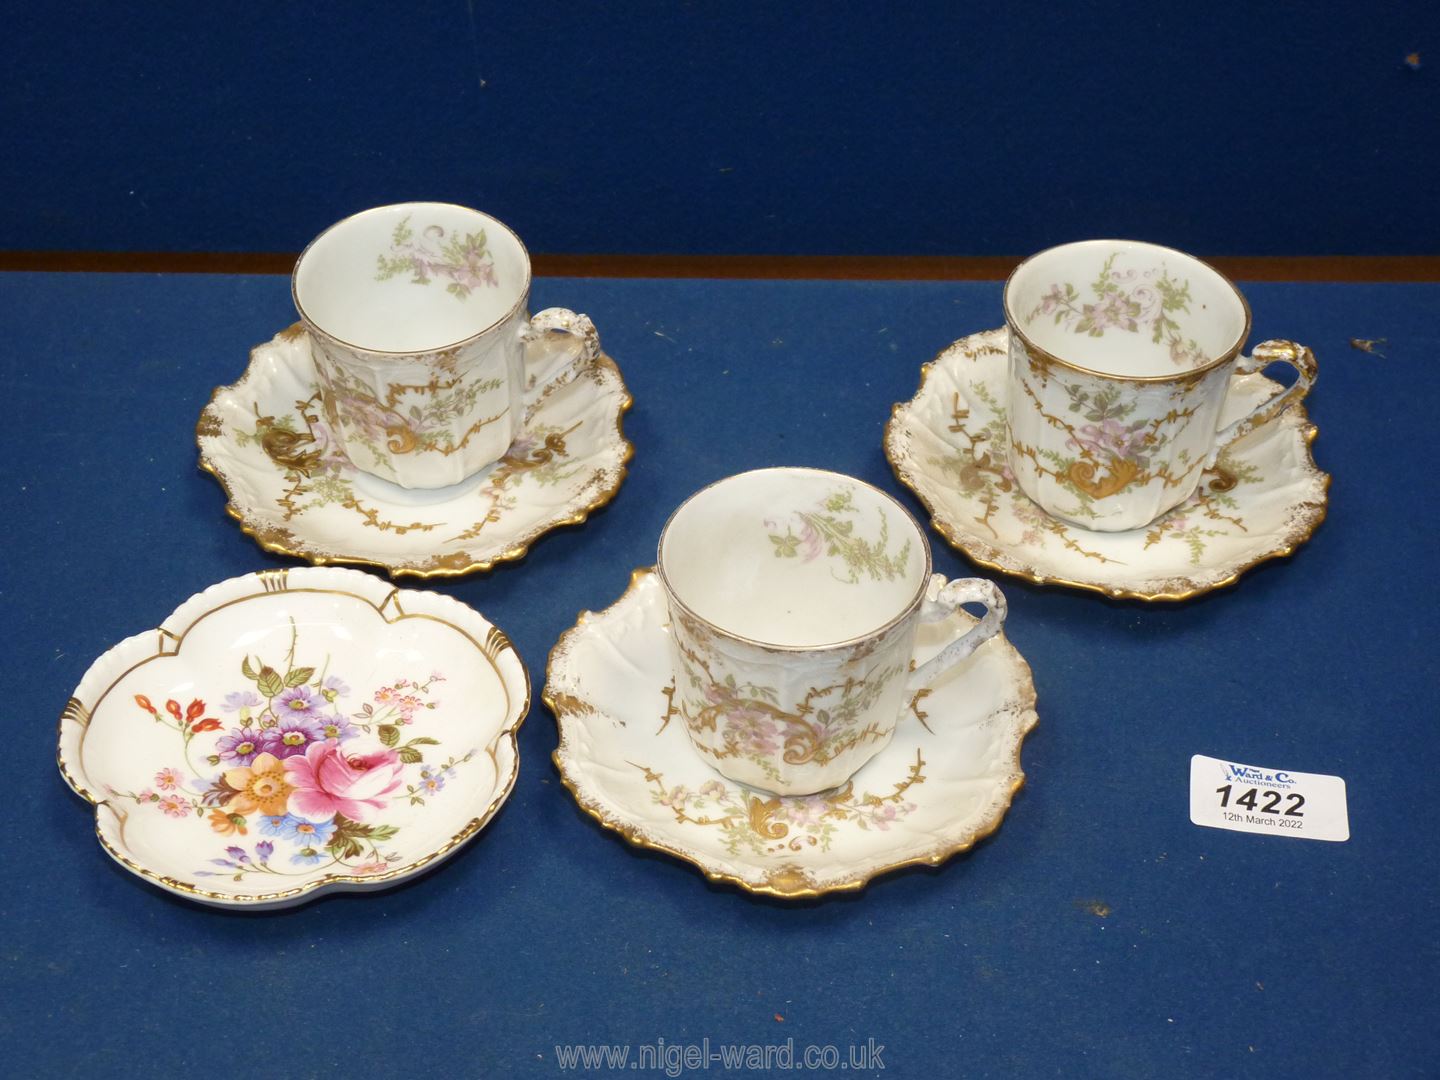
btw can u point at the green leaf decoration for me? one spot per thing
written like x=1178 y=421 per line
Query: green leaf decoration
x=786 y=547
x=270 y=683
x=385 y=269
x=423 y=740
x=342 y=847
x=299 y=675
x=389 y=734
x=345 y=843
x=410 y=756
x=247 y=670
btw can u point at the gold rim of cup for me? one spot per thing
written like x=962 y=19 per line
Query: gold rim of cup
x=1226 y=356
x=315 y=328
x=850 y=642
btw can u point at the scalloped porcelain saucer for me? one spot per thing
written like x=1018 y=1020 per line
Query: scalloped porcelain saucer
x=295 y=732
x=947 y=444
x=292 y=488
x=943 y=783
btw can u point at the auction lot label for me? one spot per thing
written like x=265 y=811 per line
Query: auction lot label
x=1279 y=802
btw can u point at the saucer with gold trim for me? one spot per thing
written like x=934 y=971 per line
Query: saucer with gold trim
x=943 y=783
x=291 y=487
x=948 y=445
x=295 y=732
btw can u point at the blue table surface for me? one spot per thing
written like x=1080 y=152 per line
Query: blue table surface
x=1222 y=953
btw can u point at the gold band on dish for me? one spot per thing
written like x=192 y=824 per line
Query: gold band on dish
x=272 y=581
x=988 y=557
x=282 y=541
x=788 y=881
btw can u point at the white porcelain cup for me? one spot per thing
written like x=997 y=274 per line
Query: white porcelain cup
x=1121 y=355
x=417 y=320
x=795 y=595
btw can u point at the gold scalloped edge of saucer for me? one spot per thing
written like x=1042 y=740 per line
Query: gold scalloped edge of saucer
x=281 y=541
x=787 y=882
x=272 y=581
x=1306 y=518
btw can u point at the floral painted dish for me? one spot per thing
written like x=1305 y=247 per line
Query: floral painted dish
x=947 y=444
x=943 y=783
x=294 y=732
x=291 y=487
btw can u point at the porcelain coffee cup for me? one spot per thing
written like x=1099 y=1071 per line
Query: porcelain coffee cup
x=795 y=596
x=425 y=353
x=1121 y=355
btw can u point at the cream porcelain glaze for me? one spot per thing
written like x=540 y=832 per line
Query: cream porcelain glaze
x=293 y=732
x=944 y=782
x=291 y=486
x=1116 y=383
x=1264 y=497
x=424 y=352
x=795 y=598
x=1126 y=308
x=745 y=554
x=341 y=284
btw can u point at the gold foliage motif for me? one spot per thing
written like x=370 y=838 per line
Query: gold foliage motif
x=1122 y=473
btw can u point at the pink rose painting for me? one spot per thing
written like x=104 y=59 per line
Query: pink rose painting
x=327 y=782
x=318 y=781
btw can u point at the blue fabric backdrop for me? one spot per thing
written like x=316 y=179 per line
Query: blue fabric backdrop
x=852 y=127
x=1222 y=955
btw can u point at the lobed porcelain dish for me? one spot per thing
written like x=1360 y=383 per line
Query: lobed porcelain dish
x=944 y=782
x=267 y=440
x=1264 y=498
x=294 y=732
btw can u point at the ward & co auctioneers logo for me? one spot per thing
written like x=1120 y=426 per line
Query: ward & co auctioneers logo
x=1250 y=775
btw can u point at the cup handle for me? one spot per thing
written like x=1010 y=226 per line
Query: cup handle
x=943 y=599
x=1286 y=352
x=557 y=320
